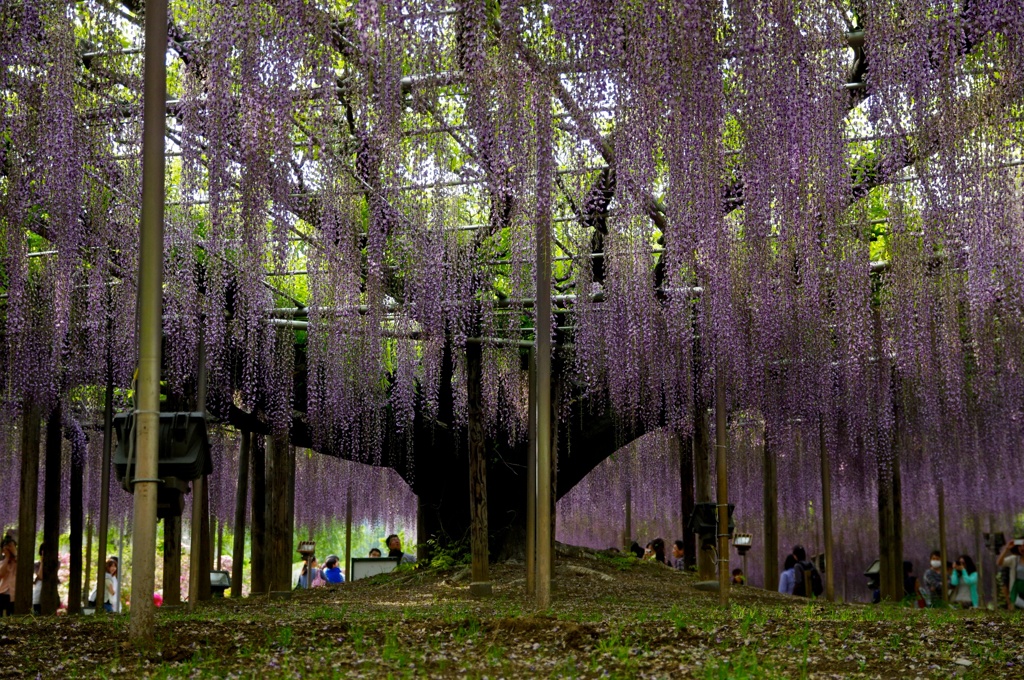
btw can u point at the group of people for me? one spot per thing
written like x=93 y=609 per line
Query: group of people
x=799 y=575
x=313 y=575
x=927 y=590
x=9 y=577
x=655 y=552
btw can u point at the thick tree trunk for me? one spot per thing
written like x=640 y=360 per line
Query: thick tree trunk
x=27 y=500
x=49 y=600
x=280 y=482
x=479 y=543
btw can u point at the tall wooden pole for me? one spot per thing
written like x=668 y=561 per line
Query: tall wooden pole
x=28 y=497
x=479 y=584
x=76 y=527
x=942 y=542
x=198 y=568
x=150 y=309
x=721 y=462
x=976 y=520
x=49 y=600
x=257 y=544
x=348 y=530
x=172 y=561
x=543 y=343
x=531 y=480
x=770 y=509
x=102 y=533
x=702 y=484
x=241 y=498
x=87 y=580
x=627 y=528
x=686 y=499
x=826 y=511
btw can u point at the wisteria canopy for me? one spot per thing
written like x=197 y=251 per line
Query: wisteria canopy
x=821 y=200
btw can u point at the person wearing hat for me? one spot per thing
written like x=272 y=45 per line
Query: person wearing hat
x=332 y=570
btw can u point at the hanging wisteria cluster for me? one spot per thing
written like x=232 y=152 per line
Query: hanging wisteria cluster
x=818 y=201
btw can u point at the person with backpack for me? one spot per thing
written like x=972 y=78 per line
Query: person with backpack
x=808 y=579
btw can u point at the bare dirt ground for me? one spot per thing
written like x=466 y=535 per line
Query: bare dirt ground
x=612 y=617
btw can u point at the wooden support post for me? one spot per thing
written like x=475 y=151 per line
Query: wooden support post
x=770 y=509
x=721 y=469
x=556 y=392
x=172 y=561
x=422 y=535
x=702 y=485
x=257 y=544
x=627 y=527
x=87 y=579
x=241 y=497
x=220 y=543
x=976 y=520
x=198 y=568
x=995 y=572
x=348 y=530
x=686 y=499
x=479 y=581
x=28 y=497
x=76 y=522
x=942 y=543
x=890 y=589
x=49 y=600
x=826 y=511
x=896 y=550
x=531 y=479
x=103 y=532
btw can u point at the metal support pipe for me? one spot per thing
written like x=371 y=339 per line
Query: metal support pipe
x=721 y=453
x=543 y=344
x=150 y=299
x=942 y=542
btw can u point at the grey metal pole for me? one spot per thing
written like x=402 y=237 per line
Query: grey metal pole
x=543 y=344
x=721 y=451
x=150 y=309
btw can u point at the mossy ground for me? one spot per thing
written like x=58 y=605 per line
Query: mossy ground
x=646 y=621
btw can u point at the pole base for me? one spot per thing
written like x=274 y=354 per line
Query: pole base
x=280 y=594
x=481 y=589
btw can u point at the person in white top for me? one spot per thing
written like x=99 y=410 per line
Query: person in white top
x=111 y=593
x=1010 y=559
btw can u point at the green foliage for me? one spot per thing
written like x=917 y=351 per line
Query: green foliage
x=449 y=555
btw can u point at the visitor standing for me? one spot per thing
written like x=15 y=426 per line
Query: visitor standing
x=1010 y=559
x=374 y=552
x=678 y=555
x=787 y=579
x=8 y=574
x=310 y=573
x=965 y=580
x=808 y=580
x=332 y=570
x=933 y=580
x=738 y=579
